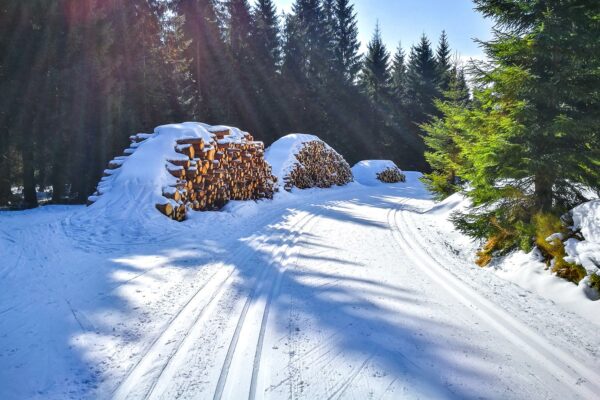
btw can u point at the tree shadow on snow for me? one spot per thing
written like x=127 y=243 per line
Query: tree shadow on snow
x=111 y=297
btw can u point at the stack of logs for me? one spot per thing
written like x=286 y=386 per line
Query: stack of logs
x=391 y=175
x=210 y=174
x=318 y=166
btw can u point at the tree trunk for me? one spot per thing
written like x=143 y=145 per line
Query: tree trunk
x=5 y=167
x=58 y=181
x=543 y=192
x=5 y=183
x=29 y=191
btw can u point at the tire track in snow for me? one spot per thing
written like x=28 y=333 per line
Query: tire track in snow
x=557 y=362
x=221 y=387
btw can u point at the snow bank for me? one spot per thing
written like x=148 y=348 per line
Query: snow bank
x=528 y=270
x=365 y=172
x=586 y=220
x=457 y=202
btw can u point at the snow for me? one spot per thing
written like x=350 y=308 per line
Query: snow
x=351 y=292
x=365 y=172
x=529 y=271
x=586 y=220
x=281 y=155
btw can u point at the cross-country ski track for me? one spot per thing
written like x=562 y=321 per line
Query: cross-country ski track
x=359 y=292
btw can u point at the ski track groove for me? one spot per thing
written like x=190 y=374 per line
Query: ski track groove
x=165 y=332
x=556 y=362
x=275 y=291
x=236 y=255
x=216 y=294
x=241 y=252
x=339 y=392
x=223 y=376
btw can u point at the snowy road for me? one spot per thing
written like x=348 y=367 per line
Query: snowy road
x=353 y=293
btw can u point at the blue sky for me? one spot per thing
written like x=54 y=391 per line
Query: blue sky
x=406 y=20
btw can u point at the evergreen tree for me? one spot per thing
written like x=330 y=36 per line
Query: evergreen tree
x=329 y=22
x=376 y=70
x=399 y=76
x=442 y=139
x=346 y=49
x=266 y=36
x=266 y=44
x=241 y=83
x=240 y=30
x=312 y=30
x=375 y=81
x=529 y=143
x=306 y=65
x=458 y=90
x=207 y=54
x=180 y=86
x=422 y=81
x=443 y=63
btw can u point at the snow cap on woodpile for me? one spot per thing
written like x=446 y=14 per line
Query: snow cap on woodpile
x=305 y=161
x=146 y=177
x=374 y=172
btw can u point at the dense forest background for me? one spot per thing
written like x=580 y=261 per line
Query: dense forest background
x=78 y=77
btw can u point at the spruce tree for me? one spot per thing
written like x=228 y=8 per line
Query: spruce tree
x=442 y=139
x=376 y=69
x=266 y=45
x=375 y=80
x=313 y=31
x=207 y=54
x=422 y=81
x=529 y=143
x=346 y=49
x=443 y=63
x=399 y=76
x=266 y=35
x=458 y=90
x=240 y=83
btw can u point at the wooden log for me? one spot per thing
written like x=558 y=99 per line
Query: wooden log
x=185 y=163
x=176 y=171
x=172 y=193
x=186 y=149
x=166 y=209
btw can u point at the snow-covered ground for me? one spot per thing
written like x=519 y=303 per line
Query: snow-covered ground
x=355 y=292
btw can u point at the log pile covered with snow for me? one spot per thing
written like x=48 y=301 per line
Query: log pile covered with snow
x=370 y=172
x=391 y=175
x=305 y=161
x=189 y=166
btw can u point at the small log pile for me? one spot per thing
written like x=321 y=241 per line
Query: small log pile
x=318 y=166
x=210 y=174
x=391 y=175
